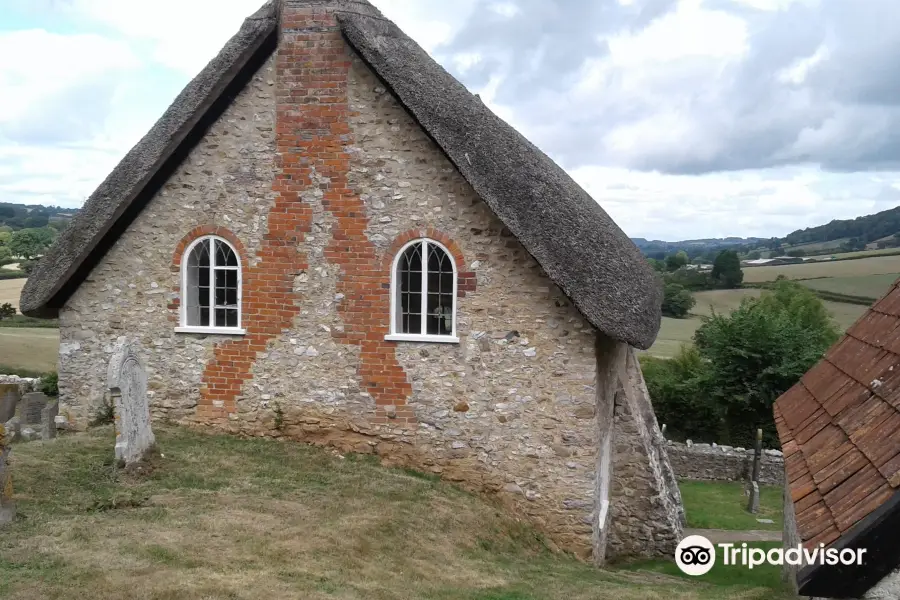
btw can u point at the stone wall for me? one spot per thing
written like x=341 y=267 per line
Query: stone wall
x=316 y=212
x=724 y=463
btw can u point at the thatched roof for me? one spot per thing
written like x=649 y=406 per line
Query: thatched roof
x=573 y=239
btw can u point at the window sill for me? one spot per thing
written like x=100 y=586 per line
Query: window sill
x=431 y=339
x=212 y=330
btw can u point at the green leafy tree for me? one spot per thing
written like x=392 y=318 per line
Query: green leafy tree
x=657 y=265
x=677 y=301
x=28 y=243
x=759 y=351
x=5 y=254
x=727 y=270
x=755 y=255
x=680 y=400
x=676 y=261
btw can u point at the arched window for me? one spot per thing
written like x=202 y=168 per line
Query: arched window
x=211 y=287
x=423 y=294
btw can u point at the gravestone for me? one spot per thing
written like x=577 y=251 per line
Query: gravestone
x=7 y=506
x=48 y=420
x=33 y=405
x=9 y=399
x=127 y=382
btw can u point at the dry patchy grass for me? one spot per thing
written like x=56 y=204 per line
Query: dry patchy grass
x=10 y=289
x=220 y=517
x=875 y=265
x=27 y=348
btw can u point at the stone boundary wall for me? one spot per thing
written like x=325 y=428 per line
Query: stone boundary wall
x=26 y=384
x=711 y=462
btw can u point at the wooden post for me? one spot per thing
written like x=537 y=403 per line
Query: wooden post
x=757 y=456
x=753 y=504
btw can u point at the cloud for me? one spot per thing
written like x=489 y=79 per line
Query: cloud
x=695 y=87
x=683 y=118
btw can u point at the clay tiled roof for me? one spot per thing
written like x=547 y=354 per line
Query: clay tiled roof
x=840 y=432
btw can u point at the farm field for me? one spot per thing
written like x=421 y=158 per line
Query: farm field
x=869 y=286
x=27 y=348
x=858 y=254
x=675 y=332
x=876 y=265
x=10 y=290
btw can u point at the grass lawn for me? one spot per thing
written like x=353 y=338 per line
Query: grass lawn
x=729 y=575
x=219 y=517
x=29 y=348
x=10 y=290
x=876 y=265
x=722 y=505
x=675 y=332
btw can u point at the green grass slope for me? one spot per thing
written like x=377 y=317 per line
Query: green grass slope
x=219 y=517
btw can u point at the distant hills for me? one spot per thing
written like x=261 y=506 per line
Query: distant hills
x=879 y=228
x=32 y=216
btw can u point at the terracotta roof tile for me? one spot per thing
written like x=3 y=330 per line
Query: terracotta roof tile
x=824 y=380
x=840 y=427
x=890 y=303
x=797 y=405
x=876 y=328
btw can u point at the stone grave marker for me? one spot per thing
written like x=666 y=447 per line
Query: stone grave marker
x=33 y=405
x=9 y=399
x=127 y=382
x=7 y=506
x=48 y=420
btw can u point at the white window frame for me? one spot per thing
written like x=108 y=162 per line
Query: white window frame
x=396 y=336
x=182 y=318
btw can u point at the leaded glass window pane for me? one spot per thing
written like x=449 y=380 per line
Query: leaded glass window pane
x=436 y=272
x=212 y=285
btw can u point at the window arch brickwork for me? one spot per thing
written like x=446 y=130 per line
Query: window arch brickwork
x=466 y=281
x=194 y=234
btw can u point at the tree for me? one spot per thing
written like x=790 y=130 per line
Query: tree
x=755 y=255
x=7 y=311
x=27 y=243
x=677 y=301
x=657 y=265
x=676 y=261
x=727 y=270
x=759 y=351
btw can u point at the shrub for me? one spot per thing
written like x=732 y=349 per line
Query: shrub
x=50 y=384
x=677 y=387
x=7 y=311
x=677 y=301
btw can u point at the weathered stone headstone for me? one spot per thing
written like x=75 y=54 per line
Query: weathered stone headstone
x=9 y=399
x=48 y=420
x=33 y=405
x=127 y=381
x=7 y=506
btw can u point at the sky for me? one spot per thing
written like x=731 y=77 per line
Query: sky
x=683 y=118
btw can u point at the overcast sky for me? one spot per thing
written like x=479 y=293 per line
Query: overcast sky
x=683 y=118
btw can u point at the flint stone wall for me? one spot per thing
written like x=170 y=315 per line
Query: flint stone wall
x=510 y=410
x=706 y=462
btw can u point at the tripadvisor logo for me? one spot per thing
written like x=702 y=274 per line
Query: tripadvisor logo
x=696 y=555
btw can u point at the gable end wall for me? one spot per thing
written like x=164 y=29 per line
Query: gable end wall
x=319 y=171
